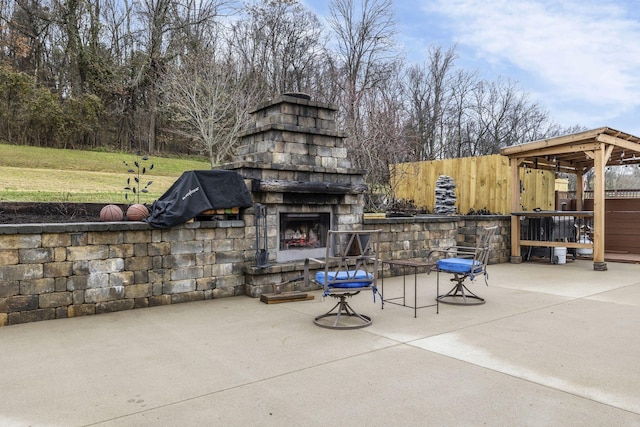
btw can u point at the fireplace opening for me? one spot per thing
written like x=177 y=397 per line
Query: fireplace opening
x=303 y=230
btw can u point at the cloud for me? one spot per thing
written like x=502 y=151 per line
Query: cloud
x=577 y=51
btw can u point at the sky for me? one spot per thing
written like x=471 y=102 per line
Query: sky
x=578 y=59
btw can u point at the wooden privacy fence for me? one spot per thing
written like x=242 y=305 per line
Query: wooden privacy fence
x=481 y=183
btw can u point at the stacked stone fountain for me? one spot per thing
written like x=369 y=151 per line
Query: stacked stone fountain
x=445 y=195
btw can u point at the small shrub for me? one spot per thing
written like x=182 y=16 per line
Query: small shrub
x=404 y=207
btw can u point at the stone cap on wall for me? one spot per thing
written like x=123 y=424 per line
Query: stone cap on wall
x=294 y=100
x=284 y=167
x=78 y=227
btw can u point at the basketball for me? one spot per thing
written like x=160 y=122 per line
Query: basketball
x=137 y=212
x=111 y=213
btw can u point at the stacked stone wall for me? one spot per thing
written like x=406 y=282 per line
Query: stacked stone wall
x=59 y=271
x=469 y=227
x=412 y=238
x=53 y=271
x=403 y=238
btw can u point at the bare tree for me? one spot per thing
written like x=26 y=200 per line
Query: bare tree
x=162 y=24
x=428 y=93
x=364 y=34
x=279 y=44
x=484 y=116
x=385 y=142
x=503 y=115
x=324 y=79
x=456 y=135
x=208 y=99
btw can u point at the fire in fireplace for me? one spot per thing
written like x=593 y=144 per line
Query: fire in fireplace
x=303 y=233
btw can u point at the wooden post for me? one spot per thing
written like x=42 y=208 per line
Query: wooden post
x=598 y=208
x=516 y=257
x=579 y=192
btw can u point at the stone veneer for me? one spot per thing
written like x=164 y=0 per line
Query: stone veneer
x=406 y=238
x=50 y=271
x=294 y=160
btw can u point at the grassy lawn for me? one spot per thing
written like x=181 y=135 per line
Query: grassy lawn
x=33 y=174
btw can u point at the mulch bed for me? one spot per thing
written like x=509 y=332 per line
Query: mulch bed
x=37 y=213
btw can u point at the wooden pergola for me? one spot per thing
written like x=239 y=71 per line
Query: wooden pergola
x=575 y=153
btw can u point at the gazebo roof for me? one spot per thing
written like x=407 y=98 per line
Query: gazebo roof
x=574 y=153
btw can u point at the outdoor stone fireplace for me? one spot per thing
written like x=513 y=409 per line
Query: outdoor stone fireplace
x=295 y=162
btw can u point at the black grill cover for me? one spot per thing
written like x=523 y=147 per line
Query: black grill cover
x=195 y=192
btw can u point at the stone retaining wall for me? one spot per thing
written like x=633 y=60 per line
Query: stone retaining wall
x=52 y=271
x=415 y=237
x=65 y=270
x=469 y=225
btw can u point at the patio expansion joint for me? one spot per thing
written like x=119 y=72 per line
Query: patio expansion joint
x=631 y=285
x=569 y=297
x=556 y=384
x=555 y=388
x=486 y=322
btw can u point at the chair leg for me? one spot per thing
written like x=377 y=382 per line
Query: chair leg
x=460 y=294
x=342 y=310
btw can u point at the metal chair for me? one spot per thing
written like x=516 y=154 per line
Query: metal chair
x=465 y=262
x=350 y=266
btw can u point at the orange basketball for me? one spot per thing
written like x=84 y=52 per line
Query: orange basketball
x=111 y=213
x=137 y=212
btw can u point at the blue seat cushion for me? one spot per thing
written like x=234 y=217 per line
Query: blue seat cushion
x=459 y=265
x=358 y=278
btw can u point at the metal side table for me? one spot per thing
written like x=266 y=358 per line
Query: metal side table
x=405 y=265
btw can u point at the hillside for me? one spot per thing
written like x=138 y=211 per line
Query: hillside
x=34 y=174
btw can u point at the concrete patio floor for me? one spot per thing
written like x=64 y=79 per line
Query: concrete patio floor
x=553 y=345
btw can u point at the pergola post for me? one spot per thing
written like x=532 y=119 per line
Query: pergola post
x=599 y=163
x=516 y=255
x=579 y=191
